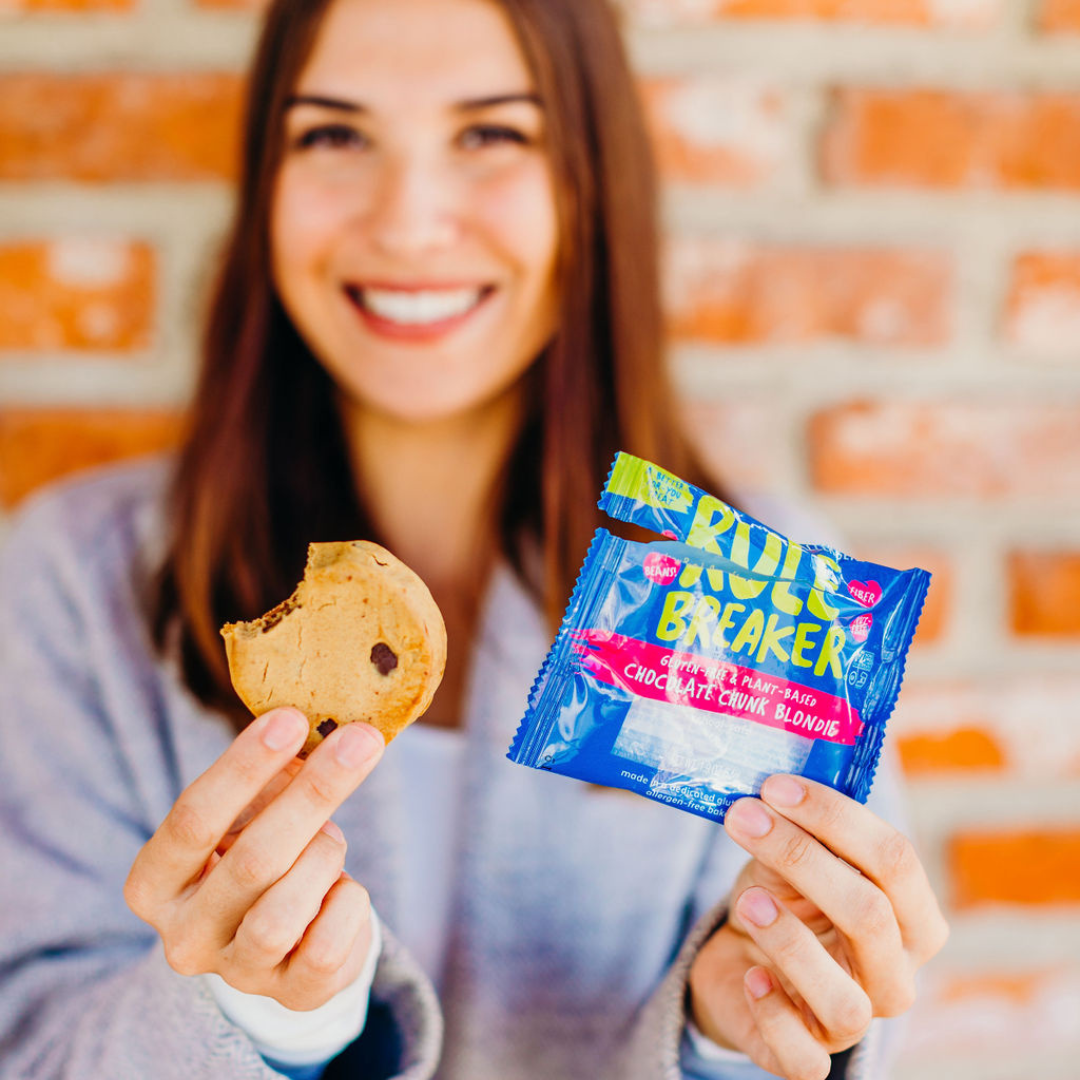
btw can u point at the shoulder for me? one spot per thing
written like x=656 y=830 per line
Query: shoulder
x=106 y=518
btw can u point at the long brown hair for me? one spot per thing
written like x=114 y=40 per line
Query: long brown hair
x=265 y=468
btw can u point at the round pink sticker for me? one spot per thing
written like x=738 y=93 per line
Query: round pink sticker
x=661 y=569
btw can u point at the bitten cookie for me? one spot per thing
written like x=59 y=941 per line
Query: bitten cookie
x=360 y=639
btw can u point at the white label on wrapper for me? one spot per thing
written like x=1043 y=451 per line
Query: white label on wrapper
x=725 y=752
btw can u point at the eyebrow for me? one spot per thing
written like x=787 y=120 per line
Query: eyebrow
x=469 y=105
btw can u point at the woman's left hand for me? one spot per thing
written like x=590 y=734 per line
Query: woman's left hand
x=829 y=922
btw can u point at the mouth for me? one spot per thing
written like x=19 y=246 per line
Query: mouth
x=416 y=312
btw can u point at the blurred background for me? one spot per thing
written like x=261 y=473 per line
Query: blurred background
x=872 y=210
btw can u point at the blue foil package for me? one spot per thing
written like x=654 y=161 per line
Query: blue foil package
x=689 y=672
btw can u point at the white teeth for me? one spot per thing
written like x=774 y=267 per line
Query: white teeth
x=417 y=308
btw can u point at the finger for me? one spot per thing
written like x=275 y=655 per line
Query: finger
x=276 y=922
x=798 y=1055
x=334 y=947
x=871 y=845
x=840 y=1005
x=267 y=849
x=174 y=857
x=853 y=903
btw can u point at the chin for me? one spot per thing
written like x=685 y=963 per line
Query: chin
x=423 y=405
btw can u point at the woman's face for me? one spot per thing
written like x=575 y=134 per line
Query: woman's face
x=413 y=227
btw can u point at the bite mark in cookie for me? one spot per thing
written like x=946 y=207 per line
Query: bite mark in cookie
x=360 y=639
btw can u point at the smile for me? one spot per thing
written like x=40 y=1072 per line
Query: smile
x=417 y=312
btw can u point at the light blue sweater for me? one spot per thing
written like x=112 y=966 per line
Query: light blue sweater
x=578 y=910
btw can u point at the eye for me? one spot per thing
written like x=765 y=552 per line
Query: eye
x=482 y=135
x=331 y=137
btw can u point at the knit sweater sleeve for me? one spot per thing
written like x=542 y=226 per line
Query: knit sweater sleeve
x=85 y=990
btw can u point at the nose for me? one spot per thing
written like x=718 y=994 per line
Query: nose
x=412 y=212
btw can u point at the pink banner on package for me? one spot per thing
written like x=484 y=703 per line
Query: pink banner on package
x=681 y=678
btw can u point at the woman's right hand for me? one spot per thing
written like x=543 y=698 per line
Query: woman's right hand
x=245 y=878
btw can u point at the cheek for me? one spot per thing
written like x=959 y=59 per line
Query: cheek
x=519 y=213
x=305 y=220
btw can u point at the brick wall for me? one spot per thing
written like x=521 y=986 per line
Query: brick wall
x=874 y=284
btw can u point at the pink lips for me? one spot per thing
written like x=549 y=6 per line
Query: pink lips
x=419 y=333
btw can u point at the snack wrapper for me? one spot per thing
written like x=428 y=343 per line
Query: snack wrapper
x=690 y=669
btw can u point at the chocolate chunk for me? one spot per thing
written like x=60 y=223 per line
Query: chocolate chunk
x=383 y=657
x=326 y=727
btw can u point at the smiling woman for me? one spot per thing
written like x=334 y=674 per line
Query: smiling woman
x=437 y=318
x=444 y=254
x=417 y=210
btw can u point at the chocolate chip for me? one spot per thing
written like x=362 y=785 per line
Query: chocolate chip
x=326 y=727
x=383 y=657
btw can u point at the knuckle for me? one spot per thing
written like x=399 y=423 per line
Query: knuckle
x=874 y=915
x=188 y=828
x=795 y=851
x=248 y=770
x=359 y=896
x=853 y=1015
x=787 y=949
x=136 y=895
x=832 y=810
x=900 y=998
x=184 y=957
x=898 y=858
x=267 y=935
x=329 y=851
x=324 y=957
x=249 y=866
x=940 y=936
x=815 y=1067
x=319 y=789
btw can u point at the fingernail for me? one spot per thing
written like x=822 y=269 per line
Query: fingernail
x=333 y=831
x=758 y=982
x=783 y=790
x=356 y=745
x=758 y=907
x=750 y=818
x=283 y=729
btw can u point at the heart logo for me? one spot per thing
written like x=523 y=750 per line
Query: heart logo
x=860 y=626
x=868 y=593
x=661 y=569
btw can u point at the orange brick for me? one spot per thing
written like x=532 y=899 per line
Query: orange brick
x=1025 y=866
x=39 y=445
x=1060 y=16
x=1043 y=310
x=885 y=12
x=959 y=750
x=716 y=131
x=119 y=126
x=962 y=726
x=76 y=294
x=937 y=449
x=729 y=292
x=1044 y=593
x=946 y=139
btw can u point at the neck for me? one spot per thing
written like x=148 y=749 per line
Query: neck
x=429 y=485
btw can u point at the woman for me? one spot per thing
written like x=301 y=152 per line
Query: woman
x=436 y=321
